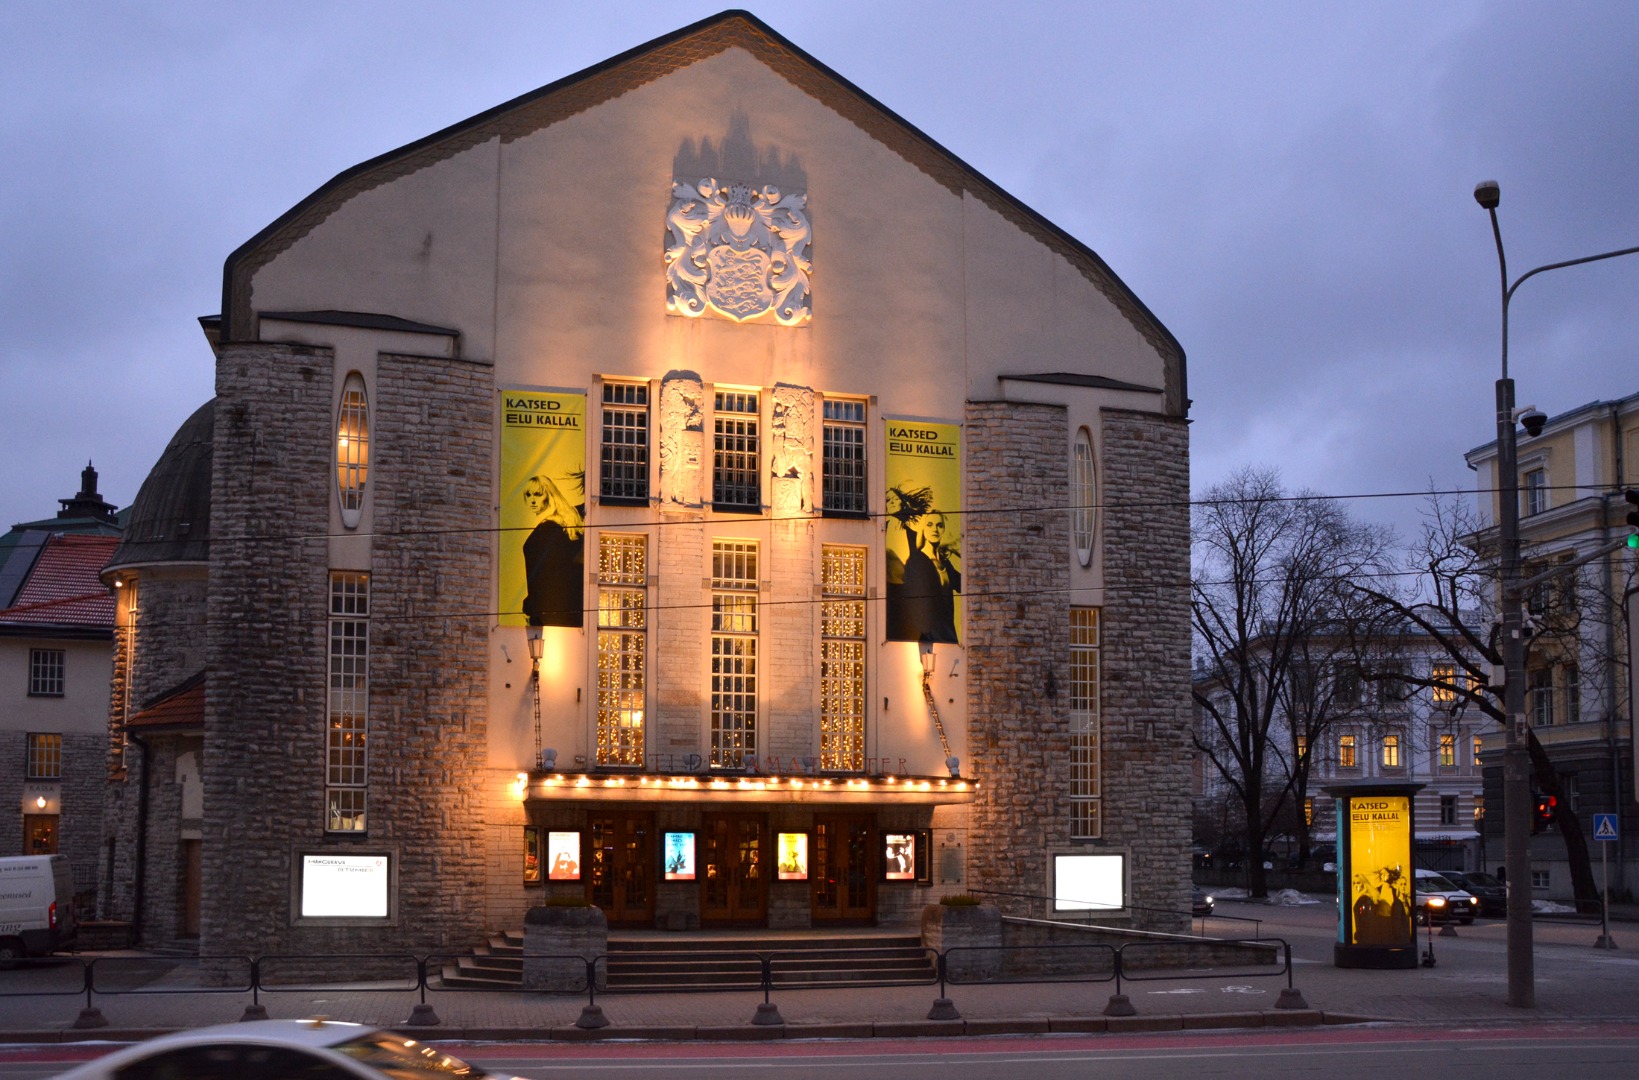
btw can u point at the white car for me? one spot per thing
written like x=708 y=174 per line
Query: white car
x=278 y=1050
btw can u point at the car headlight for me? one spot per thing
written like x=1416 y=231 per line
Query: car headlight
x=1436 y=901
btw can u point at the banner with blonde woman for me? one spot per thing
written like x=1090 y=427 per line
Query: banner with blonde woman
x=924 y=535
x=542 y=572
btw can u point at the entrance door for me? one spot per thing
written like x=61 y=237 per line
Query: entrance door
x=39 y=834
x=622 y=864
x=734 y=886
x=844 y=884
x=190 y=888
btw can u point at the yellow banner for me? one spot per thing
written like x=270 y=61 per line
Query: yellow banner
x=924 y=538
x=541 y=579
x=1380 y=869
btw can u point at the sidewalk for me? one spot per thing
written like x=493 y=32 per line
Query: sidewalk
x=1574 y=983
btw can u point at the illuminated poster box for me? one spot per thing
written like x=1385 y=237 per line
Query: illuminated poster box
x=679 y=856
x=344 y=886
x=793 y=856
x=1375 y=876
x=563 y=856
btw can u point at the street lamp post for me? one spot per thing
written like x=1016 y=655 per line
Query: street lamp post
x=1516 y=762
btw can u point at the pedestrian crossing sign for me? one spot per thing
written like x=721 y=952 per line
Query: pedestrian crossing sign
x=1604 y=827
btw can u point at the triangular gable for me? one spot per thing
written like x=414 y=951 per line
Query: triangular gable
x=602 y=82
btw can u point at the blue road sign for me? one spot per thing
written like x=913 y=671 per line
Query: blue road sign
x=1604 y=827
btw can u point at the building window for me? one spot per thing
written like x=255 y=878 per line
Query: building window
x=45 y=756
x=352 y=449
x=1448 y=751
x=623 y=578
x=1540 y=879
x=1539 y=687
x=623 y=477
x=1086 y=804
x=1346 y=684
x=1573 y=694
x=843 y=473
x=736 y=475
x=842 y=658
x=1083 y=497
x=346 y=778
x=1302 y=745
x=1444 y=677
x=1391 y=751
x=1477 y=751
x=1345 y=752
x=1534 y=491
x=45 y=672
x=1448 y=809
x=733 y=652
x=1309 y=810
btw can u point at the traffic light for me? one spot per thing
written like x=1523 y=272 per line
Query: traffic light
x=1632 y=495
x=1543 y=814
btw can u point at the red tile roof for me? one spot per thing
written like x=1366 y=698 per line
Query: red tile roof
x=62 y=588
x=186 y=707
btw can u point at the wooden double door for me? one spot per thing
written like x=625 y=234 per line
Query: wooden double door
x=843 y=868
x=621 y=867
x=735 y=860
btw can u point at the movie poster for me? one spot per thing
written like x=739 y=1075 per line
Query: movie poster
x=1380 y=869
x=542 y=573
x=924 y=532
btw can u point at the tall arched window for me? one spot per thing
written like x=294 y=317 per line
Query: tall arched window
x=352 y=449
x=1083 y=497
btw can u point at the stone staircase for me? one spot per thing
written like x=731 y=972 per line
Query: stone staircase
x=708 y=962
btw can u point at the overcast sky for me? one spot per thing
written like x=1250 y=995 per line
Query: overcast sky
x=1287 y=186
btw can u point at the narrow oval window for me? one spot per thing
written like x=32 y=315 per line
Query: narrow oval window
x=1083 y=497
x=352 y=449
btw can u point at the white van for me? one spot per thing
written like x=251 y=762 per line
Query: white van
x=36 y=906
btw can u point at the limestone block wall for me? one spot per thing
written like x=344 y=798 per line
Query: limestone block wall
x=264 y=755
x=1016 y=556
x=1145 y=645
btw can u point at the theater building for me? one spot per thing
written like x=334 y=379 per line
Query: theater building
x=686 y=486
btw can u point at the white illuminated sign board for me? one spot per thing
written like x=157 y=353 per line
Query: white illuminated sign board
x=344 y=886
x=1089 y=882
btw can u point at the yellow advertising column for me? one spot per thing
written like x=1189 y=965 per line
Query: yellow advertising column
x=1375 y=879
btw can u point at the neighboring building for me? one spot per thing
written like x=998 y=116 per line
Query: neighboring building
x=56 y=624
x=842 y=498
x=1380 y=731
x=1571 y=479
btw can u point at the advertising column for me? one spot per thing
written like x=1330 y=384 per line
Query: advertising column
x=1375 y=905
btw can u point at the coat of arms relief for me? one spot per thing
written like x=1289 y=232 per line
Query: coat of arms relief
x=737 y=250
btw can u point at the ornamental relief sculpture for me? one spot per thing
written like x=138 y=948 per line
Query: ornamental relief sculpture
x=739 y=251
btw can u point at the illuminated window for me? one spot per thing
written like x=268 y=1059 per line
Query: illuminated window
x=736 y=476
x=624 y=461
x=622 y=647
x=1476 y=751
x=1444 y=677
x=842 y=659
x=1083 y=497
x=843 y=479
x=733 y=652
x=1308 y=810
x=1448 y=751
x=1302 y=742
x=1086 y=795
x=352 y=449
x=45 y=756
x=1345 y=752
x=1391 y=751
x=346 y=777
x=45 y=672
x=126 y=615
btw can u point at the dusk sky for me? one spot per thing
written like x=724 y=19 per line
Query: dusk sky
x=1287 y=186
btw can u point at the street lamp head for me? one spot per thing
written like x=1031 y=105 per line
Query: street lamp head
x=1487 y=194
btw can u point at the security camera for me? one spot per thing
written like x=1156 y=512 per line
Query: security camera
x=1532 y=420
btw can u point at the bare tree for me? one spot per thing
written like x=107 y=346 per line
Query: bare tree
x=1453 y=602
x=1271 y=578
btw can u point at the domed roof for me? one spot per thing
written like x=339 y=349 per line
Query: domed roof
x=171 y=517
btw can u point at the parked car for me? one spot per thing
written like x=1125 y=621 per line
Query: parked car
x=1441 y=900
x=1201 y=901
x=311 y=1049
x=1491 y=893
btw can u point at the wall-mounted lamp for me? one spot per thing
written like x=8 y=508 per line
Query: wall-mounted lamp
x=925 y=648
x=537 y=645
x=39 y=802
